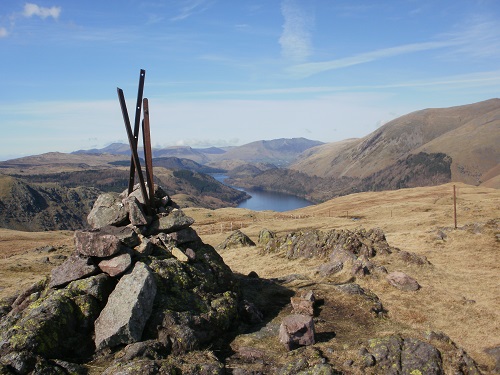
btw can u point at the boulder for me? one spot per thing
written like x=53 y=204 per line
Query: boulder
x=127 y=235
x=74 y=268
x=108 y=209
x=184 y=236
x=128 y=308
x=402 y=281
x=297 y=330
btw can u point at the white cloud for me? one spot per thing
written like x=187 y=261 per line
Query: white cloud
x=190 y=7
x=31 y=10
x=295 y=40
x=3 y=32
x=309 y=69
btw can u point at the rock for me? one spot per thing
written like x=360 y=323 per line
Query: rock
x=108 y=209
x=494 y=352
x=126 y=234
x=184 y=236
x=145 y=248
x=74 y=268
x=236 y=239
x=179 y=255
x=128 y=308
x=302 y=306
x=116 y=265
x=94 y=243
x=136 y=214
x=265 y=236
x=250 y=313
x=396 y=355
x=172 y=222
x=330 y=268
x=296 y=330
x=402 y=281
x=54 y=326
x=190 y=254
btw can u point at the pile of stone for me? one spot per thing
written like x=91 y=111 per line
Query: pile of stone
x=138 y=282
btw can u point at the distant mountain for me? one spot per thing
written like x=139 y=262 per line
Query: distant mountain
x=469 y=135
x=175 y=164
x=280 y=152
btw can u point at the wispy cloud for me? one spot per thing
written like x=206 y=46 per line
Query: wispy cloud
x=295 y=40
x=3 y=32
x=309 y=69
x=190 y=7
x=479 y=39
x=31 y=10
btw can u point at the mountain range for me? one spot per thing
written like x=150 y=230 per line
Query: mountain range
x=424 y=148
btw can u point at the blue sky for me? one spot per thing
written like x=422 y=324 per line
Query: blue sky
x=229 y=72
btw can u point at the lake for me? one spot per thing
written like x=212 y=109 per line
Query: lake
x=264 y=200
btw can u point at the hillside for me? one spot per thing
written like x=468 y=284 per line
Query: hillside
x=455 y=309
x=468 y=134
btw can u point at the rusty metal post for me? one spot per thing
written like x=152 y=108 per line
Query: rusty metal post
x=136 y=128
x=148 y=155
x=455 y=205
x=133 y=147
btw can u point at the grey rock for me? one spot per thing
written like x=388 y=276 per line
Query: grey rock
x=172 y=222
x=127 y=235
x=184 y=236
x=107 y=210
x=74 y=268
x=136 y=213
x=265 y=236
x=128 y=308
x=145 y=248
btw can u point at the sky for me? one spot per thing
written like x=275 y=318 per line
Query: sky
x=229 y=72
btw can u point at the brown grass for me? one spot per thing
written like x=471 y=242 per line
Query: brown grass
x=459 y=294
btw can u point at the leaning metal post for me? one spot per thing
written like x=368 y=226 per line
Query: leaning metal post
x=133 y=148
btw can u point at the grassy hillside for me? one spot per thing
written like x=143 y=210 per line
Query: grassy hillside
x=469 y=134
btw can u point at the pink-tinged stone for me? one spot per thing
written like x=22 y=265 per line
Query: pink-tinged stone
x=297 y=330
x=116 y=265
x=97 y=244
x=402 y=281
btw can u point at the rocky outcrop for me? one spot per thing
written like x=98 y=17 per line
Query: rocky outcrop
x=236 y=239
x=154 y=282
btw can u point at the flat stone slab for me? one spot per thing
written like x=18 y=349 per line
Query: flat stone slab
x=128 y=308
x=96 y=244
x=74 y=268
x=107 y=210
x=173 y=222
x=116 y=265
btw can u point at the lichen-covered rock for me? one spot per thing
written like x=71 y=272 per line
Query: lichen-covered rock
x=265 y=236
x=128 y=308
x=397 y=355
x=196 y=301
x=108 y=209
x=236 y=239
x=55 y=325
